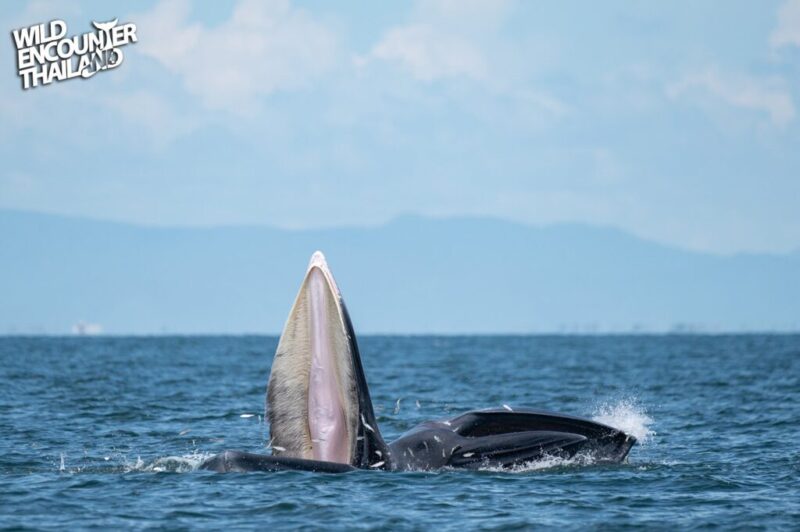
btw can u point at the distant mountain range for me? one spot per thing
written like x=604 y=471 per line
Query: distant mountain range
x=412 y=275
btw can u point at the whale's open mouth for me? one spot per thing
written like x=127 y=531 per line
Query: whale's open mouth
x=317 y=401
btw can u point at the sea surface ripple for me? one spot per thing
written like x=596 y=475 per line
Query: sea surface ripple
x=108 y=432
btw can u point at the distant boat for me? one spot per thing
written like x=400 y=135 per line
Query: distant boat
x=83 y=328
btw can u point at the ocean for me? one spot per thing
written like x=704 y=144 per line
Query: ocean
x=107 y=432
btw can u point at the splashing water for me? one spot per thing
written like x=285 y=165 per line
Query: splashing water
x=627 y=416
x=174 y=464
x=179 y=464
x=544 y=463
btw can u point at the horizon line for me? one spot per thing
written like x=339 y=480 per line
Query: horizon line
x=750 y=332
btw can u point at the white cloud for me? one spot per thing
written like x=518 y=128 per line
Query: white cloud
x=764 y=95
x=429 y=54
x=38 y=11
x=446 y=39
x=474 y=14
x=263 y=48
x=788 y=31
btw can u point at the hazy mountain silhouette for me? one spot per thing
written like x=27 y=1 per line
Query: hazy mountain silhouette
x=412 y=275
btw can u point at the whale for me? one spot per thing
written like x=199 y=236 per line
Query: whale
x=322 y=420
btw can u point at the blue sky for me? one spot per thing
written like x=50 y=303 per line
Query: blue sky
x=677 y=122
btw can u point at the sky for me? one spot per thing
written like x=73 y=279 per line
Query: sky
x=675 y=121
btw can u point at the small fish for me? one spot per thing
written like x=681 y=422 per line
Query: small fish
x=278 y=448
x=377 y=464
x=184 y=432
x=359 y=438
x=397 y=406
x=446 y=423
x=438 y=439
x=507 y=408
x=443 y=453
x=366 y=425
x=411 y=453
x=418 y=405
x=379 y=453
x=246 y=415
x=467 y=455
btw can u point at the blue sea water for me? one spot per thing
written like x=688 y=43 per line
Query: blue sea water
x=108 y=432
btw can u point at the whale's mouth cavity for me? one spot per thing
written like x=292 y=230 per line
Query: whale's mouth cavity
x=312 y=397
x=326 y=416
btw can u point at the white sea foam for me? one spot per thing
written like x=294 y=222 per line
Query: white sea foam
x=628 y=416
x=175 y=464
x=545 y=462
